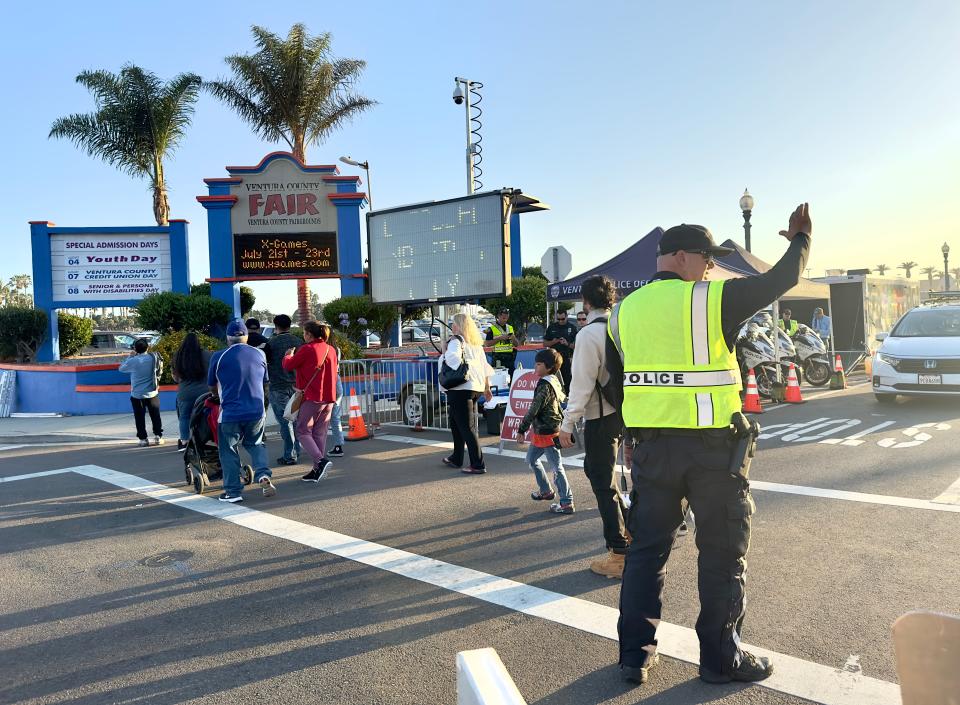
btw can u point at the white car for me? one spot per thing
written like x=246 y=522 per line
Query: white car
x=921 y=355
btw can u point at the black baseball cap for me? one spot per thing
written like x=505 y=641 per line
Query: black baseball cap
x=690 y=238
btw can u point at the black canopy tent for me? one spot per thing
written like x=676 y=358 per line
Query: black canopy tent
x=630 y=269
x=802 y=299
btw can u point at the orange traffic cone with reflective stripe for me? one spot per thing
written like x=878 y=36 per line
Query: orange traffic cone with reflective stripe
x=793 y=387
x=358 y=429
x=751 y=400
x=838 y=380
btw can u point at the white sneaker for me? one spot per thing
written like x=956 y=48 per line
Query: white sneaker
x=268 y=488
x=158 y=441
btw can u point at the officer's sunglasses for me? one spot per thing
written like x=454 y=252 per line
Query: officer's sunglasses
x=706 y=255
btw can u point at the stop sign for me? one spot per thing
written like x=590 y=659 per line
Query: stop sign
x=556 y=263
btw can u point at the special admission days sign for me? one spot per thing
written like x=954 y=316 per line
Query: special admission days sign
x=103 y=267
x=283 y=221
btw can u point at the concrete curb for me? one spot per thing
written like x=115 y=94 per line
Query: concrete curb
x=50 y=438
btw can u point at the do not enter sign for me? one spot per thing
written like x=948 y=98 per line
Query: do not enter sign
x=521 y=397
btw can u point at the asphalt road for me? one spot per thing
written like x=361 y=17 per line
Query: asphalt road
x=113 y=595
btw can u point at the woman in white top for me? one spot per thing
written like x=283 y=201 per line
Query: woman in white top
x=466 y=344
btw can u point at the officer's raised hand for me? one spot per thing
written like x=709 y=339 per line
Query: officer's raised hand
x=799 y=222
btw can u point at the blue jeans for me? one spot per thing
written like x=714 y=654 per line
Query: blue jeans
x=535 y=457
x=231 y=435
x=184 y=409
x=291 y=446
x=336 y=428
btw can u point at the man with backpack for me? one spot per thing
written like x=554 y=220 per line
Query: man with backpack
x=602 y=424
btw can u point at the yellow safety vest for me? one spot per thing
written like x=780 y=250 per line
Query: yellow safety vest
x=677 y=369
x=791 y=327
x=501 y=346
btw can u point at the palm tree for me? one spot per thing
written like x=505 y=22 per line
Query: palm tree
x=881 y=269
x=21 y=282
x=907 y=266
x=137 y=123
x=956 y=276
x=295 y=91
x=930 y=271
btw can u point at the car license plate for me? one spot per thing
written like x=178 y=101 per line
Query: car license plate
x=929 y=379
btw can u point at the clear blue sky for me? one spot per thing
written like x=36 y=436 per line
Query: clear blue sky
x=621 y=115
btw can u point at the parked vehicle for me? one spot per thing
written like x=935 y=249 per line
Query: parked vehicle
x=811 y=356
x=755 y=351
x=110 y=341
x=921 y=355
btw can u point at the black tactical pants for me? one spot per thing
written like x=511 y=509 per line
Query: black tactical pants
x=506 y=359
x=600 y=438
x=665 y=469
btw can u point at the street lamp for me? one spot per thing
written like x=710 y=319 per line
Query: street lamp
x=366 y=167
x=463 y=90
x=746 y=205
x=946 y=266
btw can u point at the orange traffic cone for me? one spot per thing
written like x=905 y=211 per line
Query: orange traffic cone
x=838 y=380
x=793 y=387
x=751 y=400
x=358 y=429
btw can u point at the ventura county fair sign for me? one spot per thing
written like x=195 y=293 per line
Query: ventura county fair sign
x=103 y=267
x=283 y=222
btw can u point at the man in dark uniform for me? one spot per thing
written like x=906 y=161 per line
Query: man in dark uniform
x=673 y=346
x=561 y=335
x=503 y=341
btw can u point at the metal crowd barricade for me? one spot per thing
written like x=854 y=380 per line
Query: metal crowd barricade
x=395 y=392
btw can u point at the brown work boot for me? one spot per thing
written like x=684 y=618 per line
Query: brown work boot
x=610 y=566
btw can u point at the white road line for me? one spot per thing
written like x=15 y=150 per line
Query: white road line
x=22 y=445
x=854 y=440
x=841 y=425
x=30 y=476
x=950 y=496
x=793 y=676
x=887 y=500
x=883 y=499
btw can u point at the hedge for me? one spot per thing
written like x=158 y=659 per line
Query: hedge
x=75 y=332
x=22 y=331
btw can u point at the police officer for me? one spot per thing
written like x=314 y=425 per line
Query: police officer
x=503 y=340
x=675 y=338
x=787 y=323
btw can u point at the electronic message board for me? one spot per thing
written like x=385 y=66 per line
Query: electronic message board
x=455 y=250
x=299 y=254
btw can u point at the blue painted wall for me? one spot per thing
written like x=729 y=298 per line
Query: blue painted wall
x=41 y=391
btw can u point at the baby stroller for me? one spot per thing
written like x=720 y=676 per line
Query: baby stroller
x=201 y=460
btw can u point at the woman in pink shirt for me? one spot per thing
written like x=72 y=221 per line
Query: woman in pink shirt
x=315 y=363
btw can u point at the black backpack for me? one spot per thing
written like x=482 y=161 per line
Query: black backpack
x=612 y=390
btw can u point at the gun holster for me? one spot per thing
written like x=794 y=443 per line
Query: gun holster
x=743 y=434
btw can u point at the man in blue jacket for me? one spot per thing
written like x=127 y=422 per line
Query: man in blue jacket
x=238 y=375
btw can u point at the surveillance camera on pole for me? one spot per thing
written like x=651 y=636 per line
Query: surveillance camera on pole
x=457 y=93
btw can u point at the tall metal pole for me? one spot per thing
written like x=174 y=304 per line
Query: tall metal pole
x=366 y=168
x=746 y=229
x=466 y=104
x=946 y=269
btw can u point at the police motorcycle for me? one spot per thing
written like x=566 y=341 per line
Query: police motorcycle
x=755 y=351
x=812 y=356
